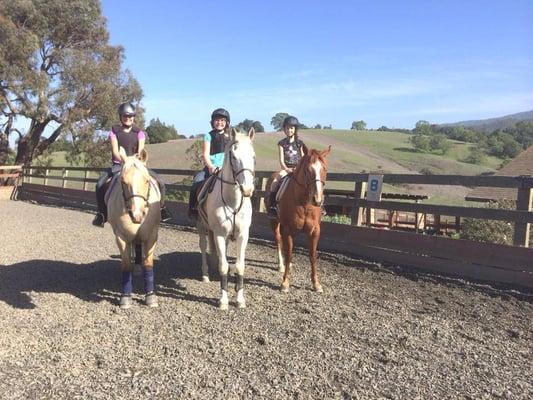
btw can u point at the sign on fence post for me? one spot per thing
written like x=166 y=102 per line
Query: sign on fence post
x=373 y=187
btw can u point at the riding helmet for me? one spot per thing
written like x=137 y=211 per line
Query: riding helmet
x=220 y=113
x=126 y=109
x=290 y=121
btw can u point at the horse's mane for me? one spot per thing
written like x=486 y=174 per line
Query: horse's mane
x=309 y=158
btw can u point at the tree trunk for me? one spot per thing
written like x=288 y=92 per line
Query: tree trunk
x=4 y=148
x=28 y=143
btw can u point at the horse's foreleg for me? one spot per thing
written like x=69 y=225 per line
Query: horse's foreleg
x=278 y=240
x=148 y=271
x=126 y=269
x=203 y=249
x=313 y=245
x=223 y=268
x=242 y=242
x=287 y=252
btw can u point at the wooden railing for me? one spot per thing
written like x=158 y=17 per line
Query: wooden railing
x=9 y=180
x=354 y=201
x=74 y=186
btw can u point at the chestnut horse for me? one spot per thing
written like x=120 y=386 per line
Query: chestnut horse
x=133 y=212
x=299 y=209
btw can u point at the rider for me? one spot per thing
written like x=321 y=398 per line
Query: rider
x=132 y=139
x=213 y=146
x=290 y=149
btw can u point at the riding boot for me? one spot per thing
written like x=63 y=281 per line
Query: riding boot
x=272 y=205
x=193 y=211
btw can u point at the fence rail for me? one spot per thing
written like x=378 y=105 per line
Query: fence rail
x=485 y=261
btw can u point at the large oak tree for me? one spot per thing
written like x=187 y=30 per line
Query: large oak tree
x=58 y=74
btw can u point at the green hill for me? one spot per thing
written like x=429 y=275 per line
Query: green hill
x=352 y=151
x=491 y=124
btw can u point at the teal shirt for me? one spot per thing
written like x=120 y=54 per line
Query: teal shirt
x=217 y=159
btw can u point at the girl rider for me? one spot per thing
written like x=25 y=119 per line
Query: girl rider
x=132 y=139
x=290 y=150
x=213 y=146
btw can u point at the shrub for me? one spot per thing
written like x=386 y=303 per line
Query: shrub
x=482 y=230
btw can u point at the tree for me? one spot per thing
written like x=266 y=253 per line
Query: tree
x=317 y=126
x=248 y=123
x=194 y=154
x=58 y=73
x=422 y=128
x=277 y=120
x=358 y=125
x=159 y=132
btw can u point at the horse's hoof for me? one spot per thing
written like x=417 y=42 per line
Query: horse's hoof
x=151 y=300
x=205 y=278
x=223 y=306
x=125 y=302
x=241 y=304
x=281 y=269
x=284 y=289
x=318 y=289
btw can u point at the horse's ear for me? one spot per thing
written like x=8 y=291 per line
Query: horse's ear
x=251 y=133
x=324 y=153
x=233 y=133
x=122 y=154
x=143 y=156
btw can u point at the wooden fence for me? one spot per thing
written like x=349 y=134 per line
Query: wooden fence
x=483 y=261
x=9 y=179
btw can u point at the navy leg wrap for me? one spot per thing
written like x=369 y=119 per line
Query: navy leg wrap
x=127 y=282
x=240 y=283
x=224 y=282
x=148 y=280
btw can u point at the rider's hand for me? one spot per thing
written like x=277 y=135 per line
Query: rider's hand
x=211 y=169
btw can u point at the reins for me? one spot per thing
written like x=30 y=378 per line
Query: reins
x=133 y=195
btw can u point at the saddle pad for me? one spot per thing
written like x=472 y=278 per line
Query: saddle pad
x=282 y=186
x=206 y=188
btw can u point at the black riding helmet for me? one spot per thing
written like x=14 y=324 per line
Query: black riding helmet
x=220 y=113
x=290 y=121
x=126 y=109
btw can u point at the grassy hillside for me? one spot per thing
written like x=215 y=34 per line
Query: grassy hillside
x=491 y=124
x=352 y=151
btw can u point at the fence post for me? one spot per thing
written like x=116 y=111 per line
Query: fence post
x=357 y=212
x=521 y=230
x=87 y=172
x=46 y=172
x=64 y=177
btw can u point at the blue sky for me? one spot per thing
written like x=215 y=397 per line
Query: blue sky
x=386 y=62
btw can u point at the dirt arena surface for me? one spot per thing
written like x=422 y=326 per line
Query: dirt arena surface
x=377 y=332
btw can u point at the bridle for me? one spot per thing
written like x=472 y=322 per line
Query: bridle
x=126 y=189
x=308 y=181
x=234 y=174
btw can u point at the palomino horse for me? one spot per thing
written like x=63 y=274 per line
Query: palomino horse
x=299 y=209
x=226 y=212
x=133 y=212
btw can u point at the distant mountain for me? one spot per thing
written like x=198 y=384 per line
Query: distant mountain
x=491 y=124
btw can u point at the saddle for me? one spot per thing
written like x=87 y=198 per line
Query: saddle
x=206 y=187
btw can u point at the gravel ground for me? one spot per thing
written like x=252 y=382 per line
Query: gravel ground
x=377 y=332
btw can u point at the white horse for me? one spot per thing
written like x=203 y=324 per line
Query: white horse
x=226 y=213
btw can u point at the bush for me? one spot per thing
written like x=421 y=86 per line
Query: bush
x=482 y=230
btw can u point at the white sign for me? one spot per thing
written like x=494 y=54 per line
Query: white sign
x=373 y=187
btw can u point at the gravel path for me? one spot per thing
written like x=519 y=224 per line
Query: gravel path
x=375 y=333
